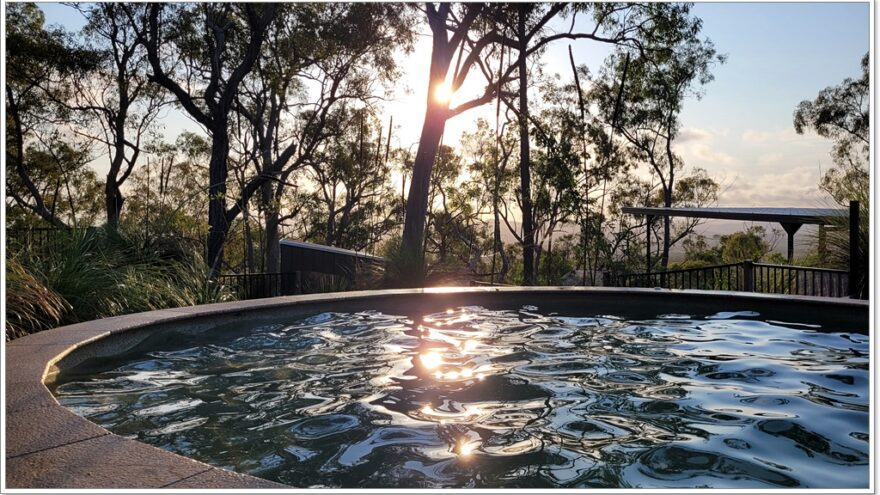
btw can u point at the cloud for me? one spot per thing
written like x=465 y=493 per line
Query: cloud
x=771 y=158
x=689 y=134
x=776 y=137
x=706 y=154
x=795 y=187
x=697 y=147
x=752 y=136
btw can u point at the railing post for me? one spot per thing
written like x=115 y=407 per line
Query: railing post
x=854 y=268
x=649 y=219
x=748 y=276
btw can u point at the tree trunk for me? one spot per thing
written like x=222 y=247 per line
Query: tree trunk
x=273 y=247
x=273 y=243
x=272 y=240
x=273 y=236
x=498 y=245
x=218 y=225
x=664 y=257
x=330 y=224
x=524 y=172
x=113 y=200
x=667 y=199
x=113 y=195
x=249 y=260
x=412 y=247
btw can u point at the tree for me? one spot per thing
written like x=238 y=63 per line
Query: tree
x=311 y=69
x=556 y=178
x=35 y=55
x=841 y=113
x=450 y=26
x=746 y=245
x=654 y=92
x=456 y=232
x=491 y=152
x=115 y=96
x=749 y=244
x=59 y=170
x=169 y=193
x=201 y=54
x=356 y=202
x=521 y=28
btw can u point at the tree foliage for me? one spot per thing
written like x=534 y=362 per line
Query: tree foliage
x=289 y=98
x=841 y=113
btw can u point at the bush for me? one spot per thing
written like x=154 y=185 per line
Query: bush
x=96 y=273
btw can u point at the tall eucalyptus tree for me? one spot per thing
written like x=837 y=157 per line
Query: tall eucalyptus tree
x=655 y=90
x=36 y=55
x=472 y=35
x=119 y=103
x=201 y=53
x=319 y=61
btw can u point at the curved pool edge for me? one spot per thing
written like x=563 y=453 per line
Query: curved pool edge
x=48 y=446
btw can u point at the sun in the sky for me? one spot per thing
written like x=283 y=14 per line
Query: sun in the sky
x=443 y=92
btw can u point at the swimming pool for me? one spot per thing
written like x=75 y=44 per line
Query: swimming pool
x=499 y=395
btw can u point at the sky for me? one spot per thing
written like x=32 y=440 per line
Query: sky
x=740 y=131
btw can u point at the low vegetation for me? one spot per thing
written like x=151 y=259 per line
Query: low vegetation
x=95 y=273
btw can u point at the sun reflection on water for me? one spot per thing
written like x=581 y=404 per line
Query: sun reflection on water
x=465 y=448
x=431 y=359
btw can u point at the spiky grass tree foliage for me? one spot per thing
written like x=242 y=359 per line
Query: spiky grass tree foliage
x=31 y=306
x=96 y=273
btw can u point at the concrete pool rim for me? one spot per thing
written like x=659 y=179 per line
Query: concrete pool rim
x=48 y=446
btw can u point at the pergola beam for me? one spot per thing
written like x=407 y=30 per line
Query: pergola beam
x=814 y=216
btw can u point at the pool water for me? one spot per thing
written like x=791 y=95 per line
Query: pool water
x=482 y=398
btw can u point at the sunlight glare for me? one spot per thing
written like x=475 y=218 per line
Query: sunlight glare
x=431 y=359
x=465 y=447
x=443 y=92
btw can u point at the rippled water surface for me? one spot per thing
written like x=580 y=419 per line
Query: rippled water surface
x=477 y=398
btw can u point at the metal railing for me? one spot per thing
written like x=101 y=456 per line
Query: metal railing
x=747 y=277
x=800 y=280
x=39 y=240
x=253 y=285
x=718 y=277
